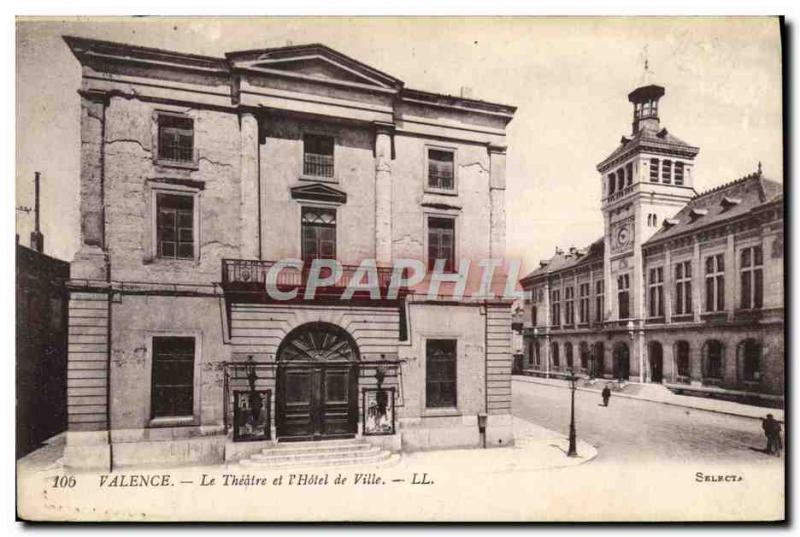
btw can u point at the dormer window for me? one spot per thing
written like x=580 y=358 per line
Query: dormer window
x=728 y=202
x=653 y=170
x=670 y=222
x=694 y=214
x=175 y=138
x=318 y=156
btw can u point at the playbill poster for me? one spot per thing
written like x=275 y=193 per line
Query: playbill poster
x=389 y=269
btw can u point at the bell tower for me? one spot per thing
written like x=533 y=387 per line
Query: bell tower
x=645 y=180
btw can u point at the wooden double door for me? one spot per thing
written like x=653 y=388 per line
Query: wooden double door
x=317 y=384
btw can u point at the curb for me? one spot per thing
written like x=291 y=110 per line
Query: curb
x=532 y=380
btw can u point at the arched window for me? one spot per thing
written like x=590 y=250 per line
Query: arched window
x=612 y=183
x=554 y=354
x=749 y=352
x=713 y=360
x=682 y=359
x=583 y=350
x=629 y=173
x=620 y=179
x=568 y=354
x=598 y=365
x=622 y=362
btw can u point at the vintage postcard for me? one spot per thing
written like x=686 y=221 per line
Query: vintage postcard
x=400 y=269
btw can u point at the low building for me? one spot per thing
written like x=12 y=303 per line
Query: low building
x=199 y=176
x=683 y=288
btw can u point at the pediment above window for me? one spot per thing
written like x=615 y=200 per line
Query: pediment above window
x=319 y=192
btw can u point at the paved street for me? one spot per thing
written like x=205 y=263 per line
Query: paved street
x=631 y=429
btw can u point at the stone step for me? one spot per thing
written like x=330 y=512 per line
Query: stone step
x=315 y=447
x=382 y=458
x=316 y=455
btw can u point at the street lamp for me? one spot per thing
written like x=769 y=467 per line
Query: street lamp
x=573 y=384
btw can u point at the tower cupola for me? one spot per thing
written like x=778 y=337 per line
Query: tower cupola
x=645 y=107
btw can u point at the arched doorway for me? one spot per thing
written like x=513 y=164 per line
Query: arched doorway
x=656 y=355
x=622 y=361
x=598 y=367
x=317 y=384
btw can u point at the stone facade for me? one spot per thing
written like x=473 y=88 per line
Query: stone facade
x=692 y=324
x=243 y=189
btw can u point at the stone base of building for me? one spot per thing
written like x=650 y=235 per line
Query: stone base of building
x=87 y=450
x=449 y=432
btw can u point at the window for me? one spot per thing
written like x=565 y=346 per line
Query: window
x=441 y=242
x=175 y=226
x=629 y=173
x=678 y=173
x=583 y=350
x=653 y=170
x=715 y=283
x=620 y=179
x=712 y=363
x=612 y=183
x=554 y=358
x=655 y=295
x=623 y=295
x=752 y=278
x=599 y=301
x=318 y=155
x=533 y=316
x=569 y=299
x=537 y=354
x=683 y=288
x=682 y=358
x=175 y=138
x=318 y=234
x=666 y=171
x=440 y=373
x=750 y=351
x=555 y=308
x=173 y=377
x=441 y=169
x=583 y=308
x=568 y=354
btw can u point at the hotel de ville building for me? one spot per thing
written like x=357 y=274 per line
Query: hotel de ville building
x=198 y=174
x=683 y=288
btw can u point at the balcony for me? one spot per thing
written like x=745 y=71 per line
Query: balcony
x=246 y=279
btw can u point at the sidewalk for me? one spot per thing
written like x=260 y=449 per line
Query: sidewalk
x=659 y=394
x=536 y=448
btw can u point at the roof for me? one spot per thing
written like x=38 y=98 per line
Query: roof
x=648 y=139
x=722 y=203
x=574 y=258
x=274 y=61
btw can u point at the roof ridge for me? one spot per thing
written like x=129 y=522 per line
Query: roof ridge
x=754 y=175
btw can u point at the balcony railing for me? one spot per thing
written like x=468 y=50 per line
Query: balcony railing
x=318 y=165
x=250 y=275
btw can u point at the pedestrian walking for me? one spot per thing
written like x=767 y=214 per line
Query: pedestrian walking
x=772 y=430
x=606 y=395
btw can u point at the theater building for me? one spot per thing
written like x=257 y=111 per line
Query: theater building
x=198 y=174
x=683 y=288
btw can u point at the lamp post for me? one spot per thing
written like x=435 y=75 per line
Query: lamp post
x=573 y=383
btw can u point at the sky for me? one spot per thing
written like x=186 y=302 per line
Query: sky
x=569 y=79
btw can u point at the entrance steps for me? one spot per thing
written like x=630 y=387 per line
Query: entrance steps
x=350 y=452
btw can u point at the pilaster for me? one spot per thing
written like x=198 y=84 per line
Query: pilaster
x=383 y=193
x=497 y=192
x=250 y=217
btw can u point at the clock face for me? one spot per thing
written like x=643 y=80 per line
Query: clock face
x=623 y=236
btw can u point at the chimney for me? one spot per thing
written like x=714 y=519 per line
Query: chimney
x=466 y=92
x=37 y=239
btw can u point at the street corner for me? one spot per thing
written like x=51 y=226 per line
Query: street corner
x=539 y=448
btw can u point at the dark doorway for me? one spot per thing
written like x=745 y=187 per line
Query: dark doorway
x=598 y=360
x=656 y=362
x=317 y=384
x=622 y=362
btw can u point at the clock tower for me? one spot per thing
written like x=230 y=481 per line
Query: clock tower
x=645 y=180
